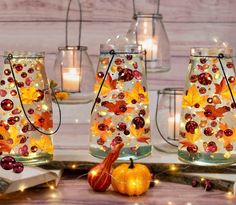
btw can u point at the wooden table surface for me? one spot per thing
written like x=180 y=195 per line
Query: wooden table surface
x=72 y=190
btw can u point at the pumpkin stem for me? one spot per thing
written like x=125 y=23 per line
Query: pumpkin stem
x=131 y=166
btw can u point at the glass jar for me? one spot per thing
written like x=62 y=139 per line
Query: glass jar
x=207 y=127
x=148 y=31
x=74 y=75
x=18 y=137
x=121 y=109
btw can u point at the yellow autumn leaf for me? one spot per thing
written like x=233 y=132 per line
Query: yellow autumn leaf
x=29 y=94
x=136 y=132
x=193 y=137
x=13 y=131
x=62 y=95
x=4 y=133
x=138 y=94
x=193 y=97
x=44 y=144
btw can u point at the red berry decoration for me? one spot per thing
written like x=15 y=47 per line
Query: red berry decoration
x=230 y=65
x=191 y=126
x=30 y=70
x=3 y=93
x=228 y=132
x=229 y=147
x=137 y=75
x=129 y=57
x=7 y=162
x=41 y=95
x=203 y=60
x=118 y=61
x=102 y=127
x=19 y=67
x=211 y=147
x=100 y=74
x=121 y=95
x=208 y=131
x=192 y=149
x=7 y=104
x=139 y=122
x=205 y=79
x=125 y=74
x=207 y=184
x=7 y=72
x=121 y=126
x=18 y=167
x=231 y=79
x=193 y=78
x=195 y=183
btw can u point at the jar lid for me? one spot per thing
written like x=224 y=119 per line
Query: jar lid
x=24 y=54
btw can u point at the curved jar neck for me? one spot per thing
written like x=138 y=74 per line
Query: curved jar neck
x=120 y=49
x=211 y=52
x=147 y=17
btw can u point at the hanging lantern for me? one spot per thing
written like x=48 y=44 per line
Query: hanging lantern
x=167 y=118
x=207 y=126
x=121 y=108
x=74 y=71
x=26 y=109
x=149 y=31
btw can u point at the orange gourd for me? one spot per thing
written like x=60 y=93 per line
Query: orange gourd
x=99 y=177
x=131 y=179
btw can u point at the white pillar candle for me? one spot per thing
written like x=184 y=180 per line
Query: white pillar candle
x=150 y=45
x=71 y=79
x=171 y=127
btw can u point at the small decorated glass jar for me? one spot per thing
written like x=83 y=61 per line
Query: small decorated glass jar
x=121 y=109
x=208 y=122
x=25 y=107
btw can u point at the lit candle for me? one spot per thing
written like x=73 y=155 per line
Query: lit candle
x=150 y=45
x=173 y=124
x=71 y=79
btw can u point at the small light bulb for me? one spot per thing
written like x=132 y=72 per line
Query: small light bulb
x=73 y=166
x=173 y=168
x=156 y=181
x=51 y=187
x=22 y=188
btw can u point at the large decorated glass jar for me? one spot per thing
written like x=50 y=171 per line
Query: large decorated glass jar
x=26 y=110
x=208 y=119
x=121 y=109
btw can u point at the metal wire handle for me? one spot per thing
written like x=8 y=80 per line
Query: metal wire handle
x=67 y=21
x=113 y=53
x=9 y=58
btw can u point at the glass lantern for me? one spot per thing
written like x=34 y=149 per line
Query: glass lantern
x=74 y=75
x=26 y=109
x=148 y=31
x=208 y=118
x=167 y=118
x=121 y=108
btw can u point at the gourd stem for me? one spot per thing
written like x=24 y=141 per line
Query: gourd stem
x=131 y=166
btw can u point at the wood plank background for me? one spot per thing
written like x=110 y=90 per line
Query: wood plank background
x=39 y=25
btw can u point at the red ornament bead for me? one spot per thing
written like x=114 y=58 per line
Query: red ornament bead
x=102 y=127
x=13 y=93
x=231 y=79
x=7 y=162
x=229 y=147
x=192 y=149
x=23 y=138
x=205 y=78
x=126 y=132
x=125 y=74
x=208 y=131
x=7 y=104
x=191 y=126
x=193 y=78
x=228 y=132
x=20 y=84
x=195 y=183
x=139 y=122
x=134 y=101
x=202 y=90
x=118 y=61
x=24 y=75
x=30 y=70
x=122 y=108
x=11 y=121
x=34 y=149
x=10 y=79
x=7 y=72
x=19 y=67
x=121 y=126
x=31 y=111
x=100 y=141
x=18 y=167
x=3 y=93
x=219 y=134
x=28 y=81
x=129 y=57
x=121 y=95
x=100 y=74
x=2 y=82
x=230 y=65
x=207 y=185
x=211 y=147
x=142 y=113
x=137 y=75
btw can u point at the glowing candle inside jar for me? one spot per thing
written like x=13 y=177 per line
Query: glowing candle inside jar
x=173 y=126
x=150 y=46
x=71 y=79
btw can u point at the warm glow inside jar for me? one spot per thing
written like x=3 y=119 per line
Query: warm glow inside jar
x=208 y=118
x=121 y=111
x=18 y=137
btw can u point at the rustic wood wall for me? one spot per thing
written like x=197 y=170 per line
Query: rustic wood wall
x=39 y=25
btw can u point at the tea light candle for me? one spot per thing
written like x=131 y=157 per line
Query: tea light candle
x=150 y=46
x=71 y=79
x=173 y=123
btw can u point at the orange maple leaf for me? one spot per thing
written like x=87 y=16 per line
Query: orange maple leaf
x=44 y=120
x=4 y=146
x=223 y=90
x=211 y=112
x=193 y=97
x=108 y=85
x=119 y=107
x=228 y=139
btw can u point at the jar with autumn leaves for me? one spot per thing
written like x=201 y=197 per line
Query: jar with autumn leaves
x=208 y=119
x=26 y=110
x=121 y=108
